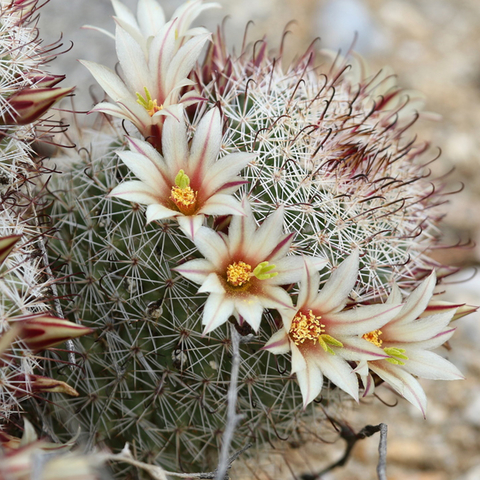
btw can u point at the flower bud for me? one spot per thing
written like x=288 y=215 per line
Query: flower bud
x=45 y=80
x=9 y=442
x=30 y=104
x=40 y=331
x=25 y=384
x=6 y=246
x=438 y=306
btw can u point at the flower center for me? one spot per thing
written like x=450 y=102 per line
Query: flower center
x=306 y=327
x=373 y=337
x=182 y=195
x=238 y=273
x=149 y=104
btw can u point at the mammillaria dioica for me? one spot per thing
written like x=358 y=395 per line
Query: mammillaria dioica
x=333 y=152
x=27 y=322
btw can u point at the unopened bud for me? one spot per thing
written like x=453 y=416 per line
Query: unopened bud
x=6 y=246
x=30 y=104
x=24 y=384
x=9 y=442
x=45 y=80
x=42 y=331
x=438 y=306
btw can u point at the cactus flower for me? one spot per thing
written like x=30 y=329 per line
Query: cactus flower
x=181 y=184
x=323 y=337
x=407 y=339
x=154 y=75
x=244 y=270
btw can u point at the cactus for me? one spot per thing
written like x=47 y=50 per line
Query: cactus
x=331 y=149
x=27 y=325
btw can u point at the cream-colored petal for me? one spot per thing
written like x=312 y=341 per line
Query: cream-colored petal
x=222 y=205
x=159 y=212
x=218 y=176
x=133 y=62
x=310 y=381
x=108 y=80
x=360 y=320
x=417 y=301
x=146 y=171
x=269 y=239
x=150 y=17
x=161 y=51
x=218 y=308
x=279 y=343
x=402 y=382
x=309 y=284
x=184 y=60
x=417 y=330
x=212 y=284
x=338 y=371
x=205 y=144
x=212 y=246
x=135 y=191
x=190 y=224
x=425 y=364
x=334 y=294
x=195 y=270
x=174 y=143
x=299 y=362
x=250 y=308
x=356 y=349
x=241 y=230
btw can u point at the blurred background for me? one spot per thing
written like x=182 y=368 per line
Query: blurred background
x=434 y=47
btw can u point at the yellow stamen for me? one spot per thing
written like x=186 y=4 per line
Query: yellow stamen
x=184 y=197
x=373 y=337
x=149 y=104
x=238 y=273
x=306 y=327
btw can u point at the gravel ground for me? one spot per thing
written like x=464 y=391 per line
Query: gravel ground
x=433 y=47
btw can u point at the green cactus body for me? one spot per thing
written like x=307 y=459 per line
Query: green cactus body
x=148 y=376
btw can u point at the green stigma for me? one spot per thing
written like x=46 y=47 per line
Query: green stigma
x=398 y=353
x=182 y=180
x=262 y=270
x=325 y=341
x=148 y=103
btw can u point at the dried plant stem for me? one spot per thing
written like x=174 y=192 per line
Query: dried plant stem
x=158 y=473
x=351 y=438
x=232 y=417
x=382 y=453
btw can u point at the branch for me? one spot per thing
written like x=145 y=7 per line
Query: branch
x=232 y=417
x=382 y=453
x=351 y=438
x=158 y=473
x=225 y=462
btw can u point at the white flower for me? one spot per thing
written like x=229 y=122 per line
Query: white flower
x=151 y=18
x=243 y=270
x=181 y=184
x=323 y=337
x=408 y=339
x=155 y=65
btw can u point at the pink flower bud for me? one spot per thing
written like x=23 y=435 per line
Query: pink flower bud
x=24 y=384
x=6 y=246
x=40 y=331
x=31 y=103
x=45 y=81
